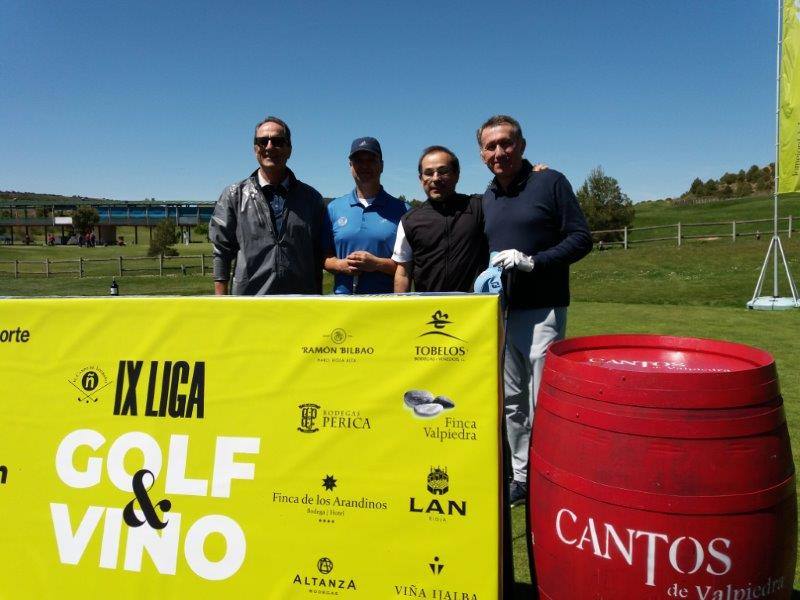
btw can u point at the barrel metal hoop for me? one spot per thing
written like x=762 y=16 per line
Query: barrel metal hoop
x=723 y=428
x=694 y=397
x=664 y=503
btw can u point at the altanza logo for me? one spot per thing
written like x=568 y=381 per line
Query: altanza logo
x=646 y=548
x=324 y=583
x=441 y=345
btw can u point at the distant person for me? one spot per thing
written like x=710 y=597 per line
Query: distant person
x=362 y=226
x=271 y=222
x=534 y=223
x=440 y=245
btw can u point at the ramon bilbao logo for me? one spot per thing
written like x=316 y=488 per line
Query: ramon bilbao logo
x=438 y=342
x=338 y=346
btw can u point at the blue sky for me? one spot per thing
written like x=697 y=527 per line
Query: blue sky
x=158 y=99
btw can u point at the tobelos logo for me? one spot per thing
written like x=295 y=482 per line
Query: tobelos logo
x=308 y=414
x=321 y=585
x=439 y=320
x=89 y=382
x=438 y=345
x=438 y=484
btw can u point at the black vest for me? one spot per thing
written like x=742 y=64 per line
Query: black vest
x=448 y=244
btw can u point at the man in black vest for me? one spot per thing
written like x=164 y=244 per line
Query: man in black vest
x=440 y=246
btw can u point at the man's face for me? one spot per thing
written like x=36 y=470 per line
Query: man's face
x=274 y=153
x=438 y=177
x=501 y=150
x=366 y=168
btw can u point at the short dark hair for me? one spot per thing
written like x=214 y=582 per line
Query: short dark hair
x=500 y=120
x=276 y=120
x=431 y=150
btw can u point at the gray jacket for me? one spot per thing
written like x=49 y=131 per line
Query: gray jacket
x=289 y=262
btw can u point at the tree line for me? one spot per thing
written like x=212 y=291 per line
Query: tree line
x=753 y=182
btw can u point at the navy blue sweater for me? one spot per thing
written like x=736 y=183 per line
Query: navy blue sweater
x=538 y=215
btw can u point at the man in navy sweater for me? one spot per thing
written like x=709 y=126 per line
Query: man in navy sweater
x=535 y=225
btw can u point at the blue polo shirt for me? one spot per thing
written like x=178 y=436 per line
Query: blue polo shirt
x=353 y=226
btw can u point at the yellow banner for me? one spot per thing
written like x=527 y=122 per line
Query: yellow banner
x=250 y=447
x=789 y=121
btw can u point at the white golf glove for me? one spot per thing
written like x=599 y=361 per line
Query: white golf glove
x=513 y=259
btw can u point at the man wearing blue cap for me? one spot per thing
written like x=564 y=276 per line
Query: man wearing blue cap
x=535 y=229
x=362 y=225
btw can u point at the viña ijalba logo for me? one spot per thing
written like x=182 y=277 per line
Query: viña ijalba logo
x=437 y=483
x=313 y=418
x=440 y=343
x=324 y=582
x=89 y=382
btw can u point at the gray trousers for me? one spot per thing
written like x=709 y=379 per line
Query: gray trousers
x=529 y=333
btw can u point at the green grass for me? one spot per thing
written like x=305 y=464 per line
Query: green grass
x=739 y=209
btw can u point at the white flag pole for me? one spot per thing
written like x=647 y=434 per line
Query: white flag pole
x=775 y=248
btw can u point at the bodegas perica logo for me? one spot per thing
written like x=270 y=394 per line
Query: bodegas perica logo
x=314 y=417
x=89 y=382
x=439 y=341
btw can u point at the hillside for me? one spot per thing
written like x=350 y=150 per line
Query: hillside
x=664 y=212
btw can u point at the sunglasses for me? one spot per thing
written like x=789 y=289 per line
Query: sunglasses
x=278 y=141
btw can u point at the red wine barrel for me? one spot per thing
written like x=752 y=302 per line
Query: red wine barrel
x=661 y=468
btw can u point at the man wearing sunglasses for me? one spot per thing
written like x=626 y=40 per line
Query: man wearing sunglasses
x=271 y=223
x=537 y=229
x=440 y=245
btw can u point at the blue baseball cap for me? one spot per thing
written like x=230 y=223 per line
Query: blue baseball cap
x=366 y=144
x=490 y=281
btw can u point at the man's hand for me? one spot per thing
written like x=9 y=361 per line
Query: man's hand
x=513 y=259
x=363 y=261
x=539 y=167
